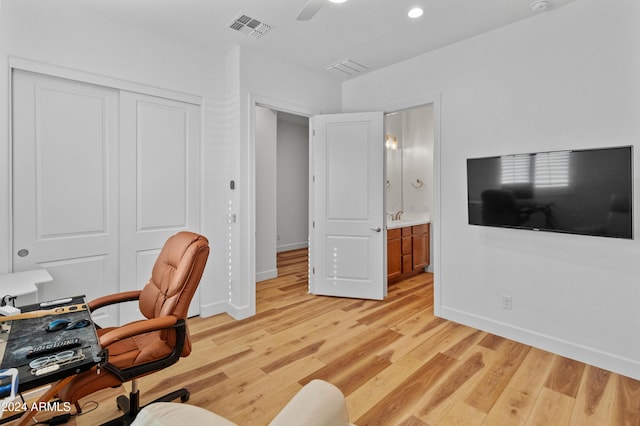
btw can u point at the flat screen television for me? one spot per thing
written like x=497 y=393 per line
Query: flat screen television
x=586 y=192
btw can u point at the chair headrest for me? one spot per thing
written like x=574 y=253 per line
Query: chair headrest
x=175 y=276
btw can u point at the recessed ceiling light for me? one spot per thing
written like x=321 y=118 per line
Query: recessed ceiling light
x=337 y=1
x=416 y=12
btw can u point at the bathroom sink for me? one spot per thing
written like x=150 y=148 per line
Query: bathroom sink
x=409 y=219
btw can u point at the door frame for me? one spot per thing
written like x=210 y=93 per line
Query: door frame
x=436 y=101
x=276 y=105
x=284 y=106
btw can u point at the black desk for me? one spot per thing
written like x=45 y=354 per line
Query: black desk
x=26 y=334
x=18 y=337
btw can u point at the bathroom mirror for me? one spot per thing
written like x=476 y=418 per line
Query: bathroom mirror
x=409 y=161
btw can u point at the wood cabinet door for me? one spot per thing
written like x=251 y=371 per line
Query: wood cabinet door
x=420 y=246
x=407 y=245
x=394 y=258
x=407 y=263
x=420 y=251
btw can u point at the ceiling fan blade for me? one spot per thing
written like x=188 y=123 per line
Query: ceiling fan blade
x=309 y=10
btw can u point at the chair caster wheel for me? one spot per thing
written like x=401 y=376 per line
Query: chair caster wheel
x=185 y=397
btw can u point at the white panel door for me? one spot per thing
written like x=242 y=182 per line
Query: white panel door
x=65 y=179
x=348 y=239
x=159 y=186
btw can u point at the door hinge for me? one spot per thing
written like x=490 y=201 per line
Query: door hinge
x=313 y=178
x=313 y=132
x=313 y=271
x=313 y=224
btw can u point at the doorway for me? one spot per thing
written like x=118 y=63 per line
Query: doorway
x=409 y=182
x=349 y=184
x=282 y=188
x=256 y=100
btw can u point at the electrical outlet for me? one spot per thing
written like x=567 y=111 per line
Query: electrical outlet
x=506 y=302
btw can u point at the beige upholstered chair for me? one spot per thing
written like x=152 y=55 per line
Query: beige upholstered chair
x=318 y=403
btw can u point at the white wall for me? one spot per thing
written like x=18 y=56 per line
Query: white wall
x=266 y=193
x=566 y=78
x=293 y=184
x=282 y=187
x=417 y=159
x=5 y=170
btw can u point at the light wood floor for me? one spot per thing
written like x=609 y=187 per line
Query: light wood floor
x=396 y=363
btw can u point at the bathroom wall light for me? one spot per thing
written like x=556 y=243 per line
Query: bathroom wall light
x=391 y=142
x=416 y=12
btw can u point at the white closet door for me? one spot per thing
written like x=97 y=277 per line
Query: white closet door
x=101 y=179
x=159 y=186
x=65 y=184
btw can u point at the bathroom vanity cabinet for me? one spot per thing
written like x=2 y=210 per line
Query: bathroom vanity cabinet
x=407 y=251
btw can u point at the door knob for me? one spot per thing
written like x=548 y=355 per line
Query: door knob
x=378 y=229
x=23 y=252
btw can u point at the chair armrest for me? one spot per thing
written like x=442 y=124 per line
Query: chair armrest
x=111 y=299
x=136 y=328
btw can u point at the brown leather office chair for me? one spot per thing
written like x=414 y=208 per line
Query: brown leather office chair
x=143 y=347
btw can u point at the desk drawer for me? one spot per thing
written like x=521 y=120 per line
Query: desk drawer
x=393 y=233
x=420 y=229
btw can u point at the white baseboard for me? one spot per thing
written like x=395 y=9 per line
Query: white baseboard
x=266 y=275
x=605 y=360
x=294 y=246
x=237 y=312
x=212 y=309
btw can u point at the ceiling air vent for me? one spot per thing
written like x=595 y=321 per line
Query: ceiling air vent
x=249 y=26
x=346 y=67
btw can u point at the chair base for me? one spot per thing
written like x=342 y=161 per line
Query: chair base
x=131 y=406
